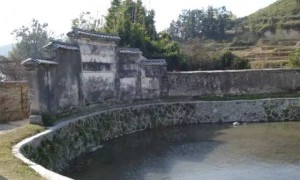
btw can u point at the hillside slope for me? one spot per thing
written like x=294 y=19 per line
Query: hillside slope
x=280 y=9
x=281 y=14
x=273 y=33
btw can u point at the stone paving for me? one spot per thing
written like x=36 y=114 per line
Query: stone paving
x=11 y=125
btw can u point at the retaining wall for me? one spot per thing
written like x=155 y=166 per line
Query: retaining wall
x=55 y=148
x=14 y=102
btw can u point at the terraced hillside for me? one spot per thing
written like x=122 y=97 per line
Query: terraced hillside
x=266 y=54
x=277 y=34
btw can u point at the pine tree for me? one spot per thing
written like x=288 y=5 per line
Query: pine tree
x=112 y=20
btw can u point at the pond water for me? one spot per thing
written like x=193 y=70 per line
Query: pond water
x=251 y=151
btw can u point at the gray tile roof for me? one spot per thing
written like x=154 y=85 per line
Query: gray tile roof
x=153 y=62
x=61 y=45
x=31 y=61
x=129 y=51
x=77 y=33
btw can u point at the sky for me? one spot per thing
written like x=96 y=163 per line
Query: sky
x=59 y=13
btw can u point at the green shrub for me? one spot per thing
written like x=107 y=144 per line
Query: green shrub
x=230 y=61
x=269 y=64
x=294 y=58
x=240 y=63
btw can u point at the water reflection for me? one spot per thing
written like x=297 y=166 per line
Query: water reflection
x=255 y=151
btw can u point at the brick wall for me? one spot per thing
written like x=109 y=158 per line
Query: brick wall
x=14 y=102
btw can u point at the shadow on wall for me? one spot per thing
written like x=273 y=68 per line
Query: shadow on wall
x=154 y=148
x=2 y=178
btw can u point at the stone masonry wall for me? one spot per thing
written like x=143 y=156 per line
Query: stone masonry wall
x=234 y=82
x=55 y=148
x=14 y=102
x=282 y=35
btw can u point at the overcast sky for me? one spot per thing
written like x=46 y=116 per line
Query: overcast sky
x=59 y=13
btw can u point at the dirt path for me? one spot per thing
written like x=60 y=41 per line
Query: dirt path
x=12 y=125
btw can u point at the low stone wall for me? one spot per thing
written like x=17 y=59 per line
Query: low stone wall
x=284 y=34
x=55 y=148
x=233 y=82
x=14 y=103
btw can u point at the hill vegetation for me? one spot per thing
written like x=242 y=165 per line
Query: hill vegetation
x=265 y=38
x=209 y=23
x=281 y=14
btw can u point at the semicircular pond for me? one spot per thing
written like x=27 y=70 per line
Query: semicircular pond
x=251 y=151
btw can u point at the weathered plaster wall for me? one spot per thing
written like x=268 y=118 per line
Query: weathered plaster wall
x=68 y=86
x=98 y=87
x=96 y=51
x=154 y=82
x=150 y=87
x=128 y=72
x=99 y=70
x=14 y=102
x=55 y=148
x=235 y=82
x=60 y=86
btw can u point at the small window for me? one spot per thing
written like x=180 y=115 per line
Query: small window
x=95 y=66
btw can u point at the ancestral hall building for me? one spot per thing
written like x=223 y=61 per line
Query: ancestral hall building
x=92 y=69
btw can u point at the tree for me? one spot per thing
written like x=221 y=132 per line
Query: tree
x=87 y=21
x=189 y=25
x=210 y=23
x=136 y=27
x=222 y=20
x=166 y=48
x=112 y=19
x=11 y=70
x=30 y=40
x=128 y=17
x=150 y=24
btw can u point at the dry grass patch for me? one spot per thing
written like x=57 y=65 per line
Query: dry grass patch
x=10 y=166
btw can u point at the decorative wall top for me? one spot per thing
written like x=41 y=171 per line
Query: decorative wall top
x=61 y=45
x=153 y=62
x=79 y=33
x=129 y=51
x=32 y=63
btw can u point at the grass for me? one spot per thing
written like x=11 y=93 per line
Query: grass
x=269 y=64
x=10 y=166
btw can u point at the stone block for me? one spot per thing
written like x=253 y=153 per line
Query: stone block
x=36 y=119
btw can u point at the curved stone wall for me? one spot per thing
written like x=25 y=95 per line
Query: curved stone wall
x=55 y=148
